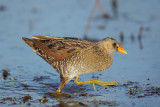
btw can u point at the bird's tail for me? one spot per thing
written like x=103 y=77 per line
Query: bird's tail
x=28 y=41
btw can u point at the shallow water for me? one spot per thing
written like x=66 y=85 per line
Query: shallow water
x=30 y=79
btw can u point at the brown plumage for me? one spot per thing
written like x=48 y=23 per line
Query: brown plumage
x=72 y=57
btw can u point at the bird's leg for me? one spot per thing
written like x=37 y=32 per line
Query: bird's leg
x=98 y=82
x=64 y=81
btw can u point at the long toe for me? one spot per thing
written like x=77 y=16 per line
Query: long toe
x=104 y=83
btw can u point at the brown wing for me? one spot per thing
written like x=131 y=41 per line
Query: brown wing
x=60 y=47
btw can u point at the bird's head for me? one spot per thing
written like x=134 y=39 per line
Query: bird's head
x=111 y=45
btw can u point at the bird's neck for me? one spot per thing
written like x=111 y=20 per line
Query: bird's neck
x=104 y=61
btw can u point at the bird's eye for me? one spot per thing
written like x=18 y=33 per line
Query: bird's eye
x=114 y=44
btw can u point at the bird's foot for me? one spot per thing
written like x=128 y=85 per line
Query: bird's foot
x=58 y=91
x=97 y=82
x=102 y=83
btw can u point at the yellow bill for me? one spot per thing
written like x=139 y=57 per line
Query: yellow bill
x=120 y=49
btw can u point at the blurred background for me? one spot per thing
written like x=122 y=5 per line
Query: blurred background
x=27 y=80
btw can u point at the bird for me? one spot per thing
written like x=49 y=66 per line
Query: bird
x=72 y=57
